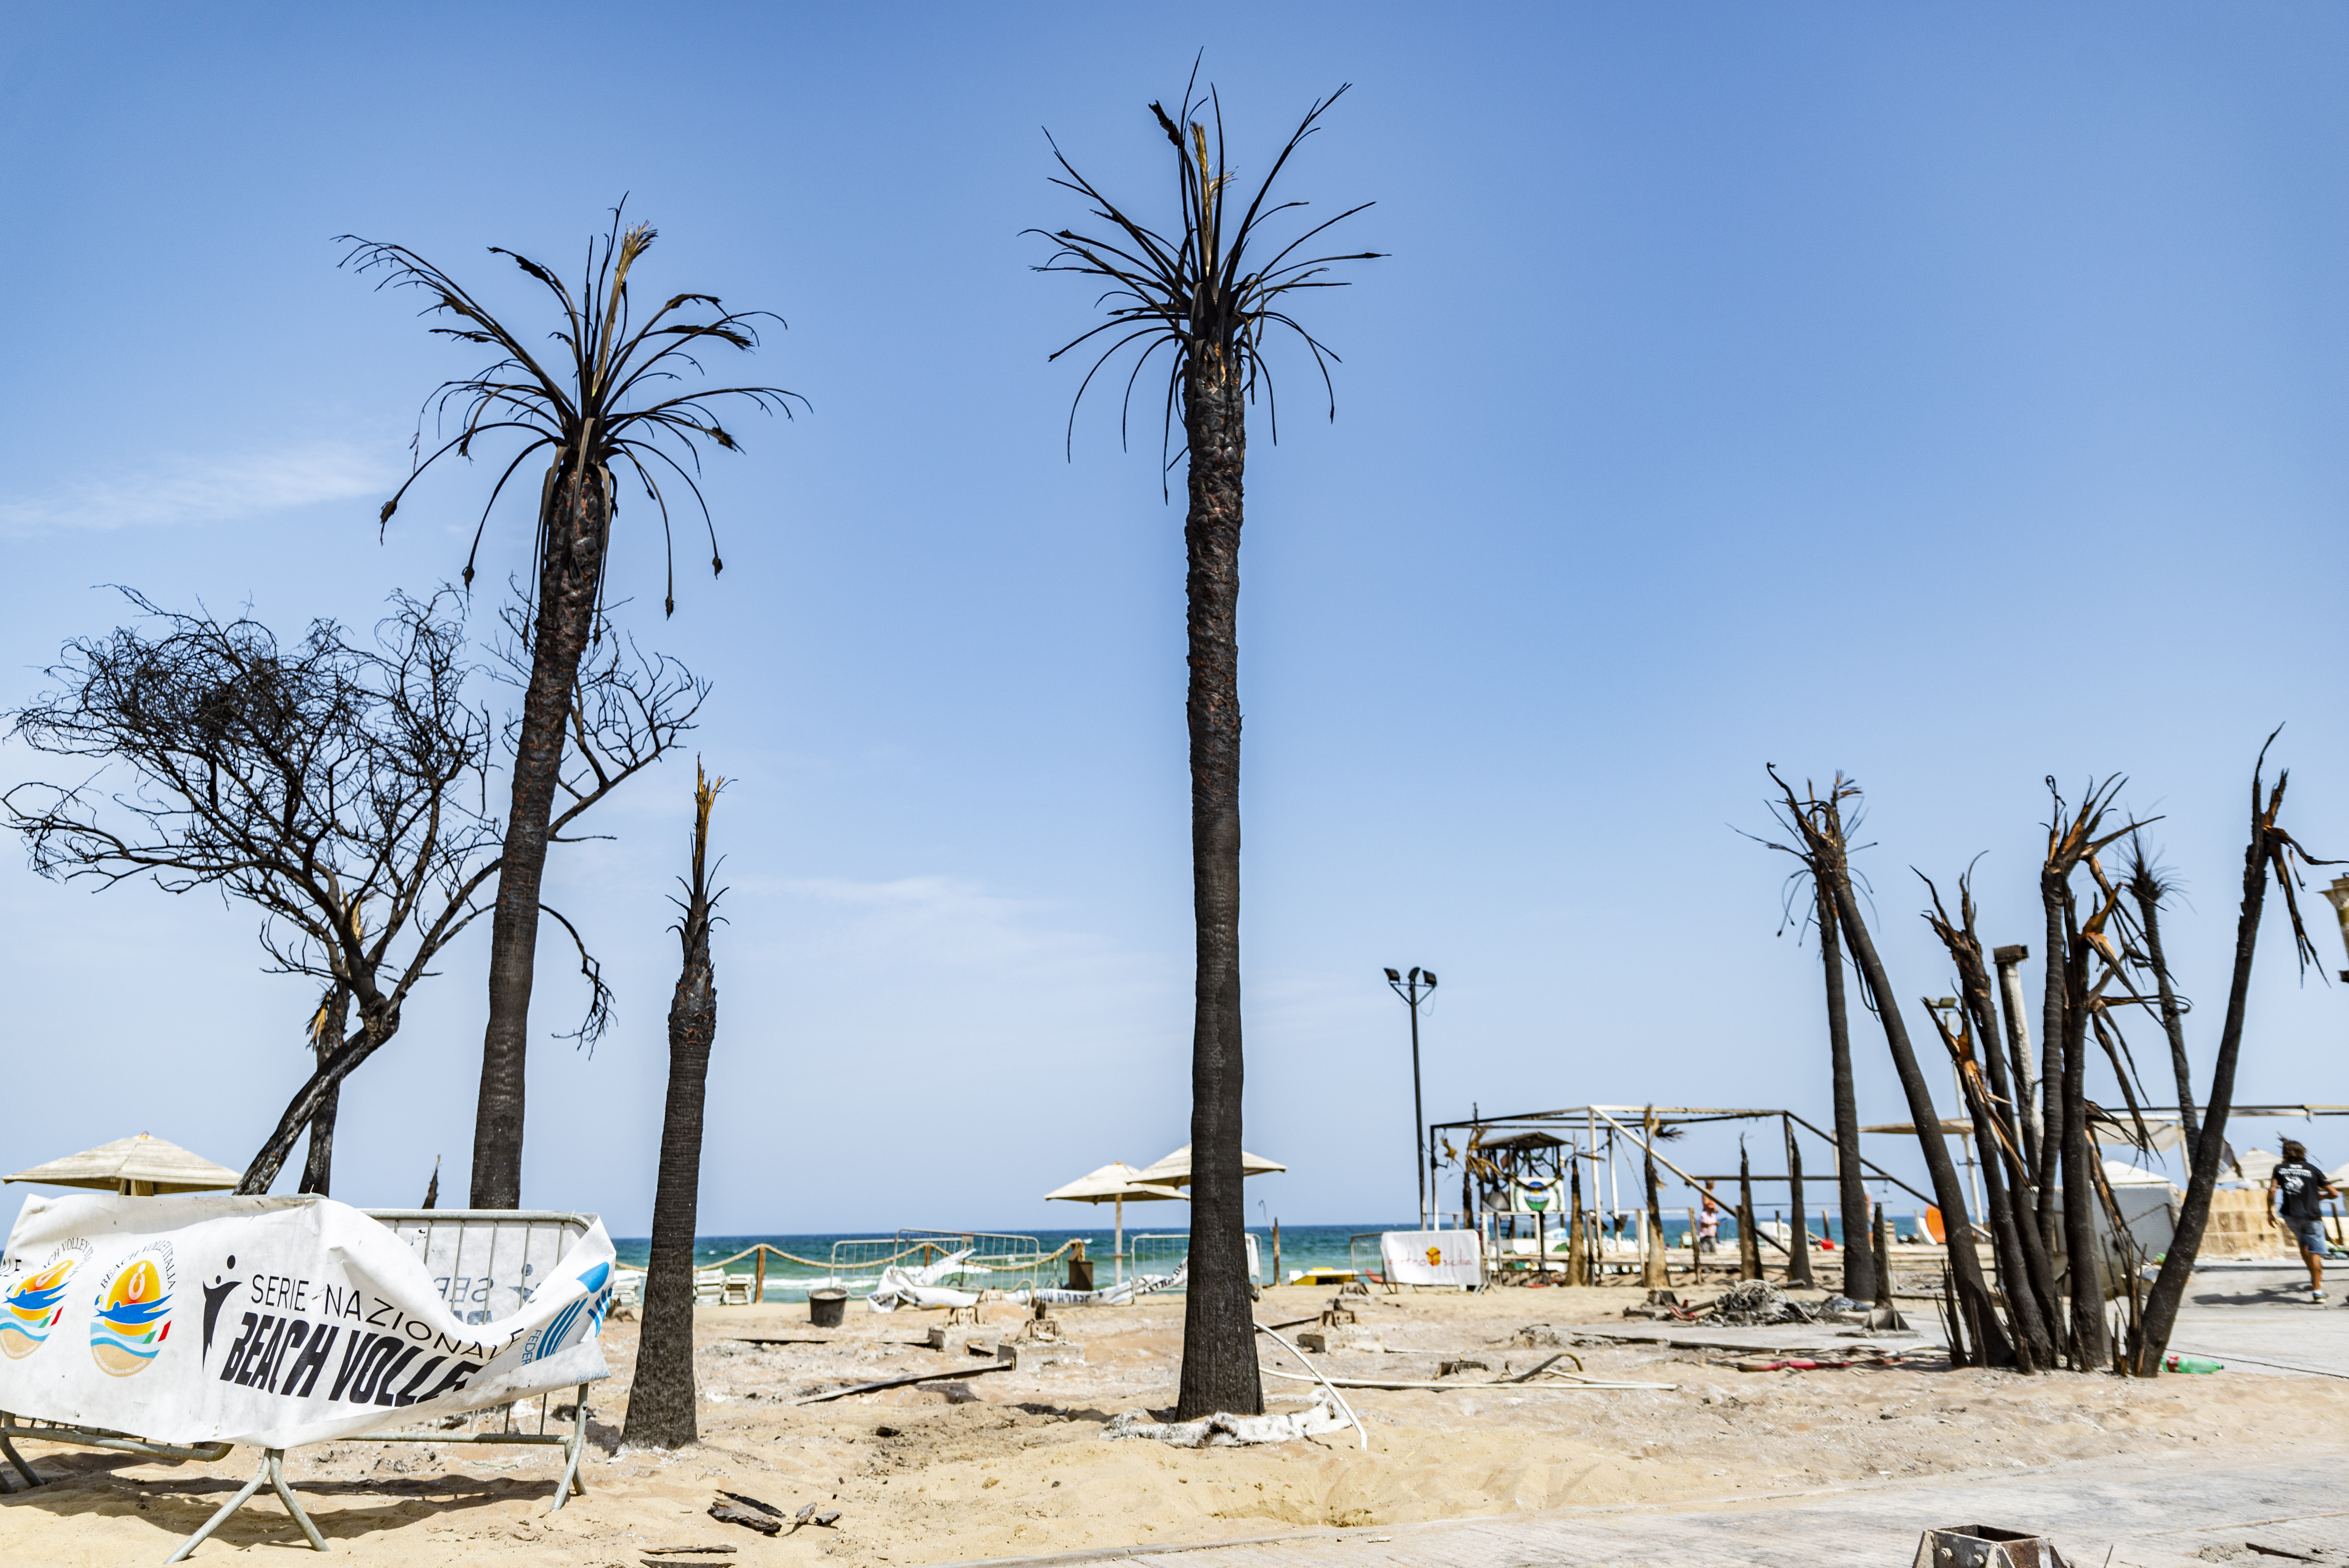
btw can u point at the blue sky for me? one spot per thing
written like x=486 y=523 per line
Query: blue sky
x=1951 y=396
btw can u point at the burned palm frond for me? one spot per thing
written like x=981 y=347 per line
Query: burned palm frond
x=614 y=396
x=2115 y=1048
x=1200 y=292
x=2150 y=887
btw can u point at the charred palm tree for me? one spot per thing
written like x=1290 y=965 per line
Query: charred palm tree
x=661 y=1398
x=1798 y=1260
x=2024 y=1267
x=1207 y=292
x=1820 y=845
x=1948 y=1191
x=2270 y=852
x=610 y=398
x=2073 y=946
x=1749 y=1241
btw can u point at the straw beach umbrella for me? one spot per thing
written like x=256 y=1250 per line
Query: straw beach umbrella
x=1115 y=1183
x=134 y=1167
x=1174 y=1170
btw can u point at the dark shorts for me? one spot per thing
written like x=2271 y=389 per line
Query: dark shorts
x=2310 y=1233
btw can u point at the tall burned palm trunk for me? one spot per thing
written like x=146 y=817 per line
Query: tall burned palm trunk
x=1202 y=292
x=2022 y=1270
x=2270 y=851
x=1816 y=826
x=1948 y=1191
x=661 y=1400
x=1220 y=1363
x=573 y=538
x=1852 y=1193
x=2065 y=1017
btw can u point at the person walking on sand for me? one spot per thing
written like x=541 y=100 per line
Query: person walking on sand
x=1709 y=1224
x=2301 y=1190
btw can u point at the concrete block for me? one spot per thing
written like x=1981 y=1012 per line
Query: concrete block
x=1028 y=1357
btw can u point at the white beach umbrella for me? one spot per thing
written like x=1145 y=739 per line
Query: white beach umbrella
x=1174 y=1170
x=2257 y=1164
x=137 y=1166
x=1115 y=1182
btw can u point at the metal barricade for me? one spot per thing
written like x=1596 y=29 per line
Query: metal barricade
x=1160 y=1254
x=484 y=1262
x=998 y=1262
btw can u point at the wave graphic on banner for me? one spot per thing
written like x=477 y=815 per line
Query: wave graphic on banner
x=34 y=1308
x=134 y=1314
x=590 y=1307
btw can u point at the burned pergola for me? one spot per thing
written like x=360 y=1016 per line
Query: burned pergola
x=1514 y=1168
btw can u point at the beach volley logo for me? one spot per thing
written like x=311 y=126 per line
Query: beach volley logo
x=33 y=1305
x=585 y=1314
x=134 y=1312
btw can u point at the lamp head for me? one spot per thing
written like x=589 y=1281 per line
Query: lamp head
x=1394 y=976
x=1429 y=976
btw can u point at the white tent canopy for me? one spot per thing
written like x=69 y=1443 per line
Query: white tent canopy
x=137 y=1167
x=1174 y=1170
x=2125 y=1175
x=2257 y=1165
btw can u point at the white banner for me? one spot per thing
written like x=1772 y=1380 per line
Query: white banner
x=270 y=1321
x=1431 y=1257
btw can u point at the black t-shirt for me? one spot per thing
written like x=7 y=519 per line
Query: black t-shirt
x=2302 y=1185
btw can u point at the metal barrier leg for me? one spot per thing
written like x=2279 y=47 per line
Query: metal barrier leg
x=276 y=1461
x=17 y=1459
x=272 y=1470
x=574 y=1448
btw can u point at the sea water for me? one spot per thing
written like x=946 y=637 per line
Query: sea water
x=1148 y=1251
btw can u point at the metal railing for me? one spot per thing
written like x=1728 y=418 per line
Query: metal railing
x=1160 y=1253
x=998 y=1261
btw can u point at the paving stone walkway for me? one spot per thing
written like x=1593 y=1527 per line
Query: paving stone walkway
x=2182 y=1512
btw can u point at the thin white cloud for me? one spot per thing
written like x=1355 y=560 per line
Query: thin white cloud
x=948 y=921
x=200 y=490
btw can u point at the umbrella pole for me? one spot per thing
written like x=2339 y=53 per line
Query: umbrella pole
x=1117 y=1248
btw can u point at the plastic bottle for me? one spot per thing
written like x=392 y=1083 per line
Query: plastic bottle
x=2175 y=1363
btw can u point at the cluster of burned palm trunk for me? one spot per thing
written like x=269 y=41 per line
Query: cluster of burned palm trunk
x=2043 y=1184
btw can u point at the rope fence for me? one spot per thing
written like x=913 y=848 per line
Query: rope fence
x=926 y=1251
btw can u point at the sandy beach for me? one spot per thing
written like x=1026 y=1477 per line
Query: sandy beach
x=1012 y=1462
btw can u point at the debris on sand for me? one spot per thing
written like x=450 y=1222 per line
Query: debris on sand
x=1534 y=1336
x=1753 y=1302
x=1221 y=1431
x=748 y=1512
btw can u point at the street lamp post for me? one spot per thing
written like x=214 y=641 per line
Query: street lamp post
x=1412 y=988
